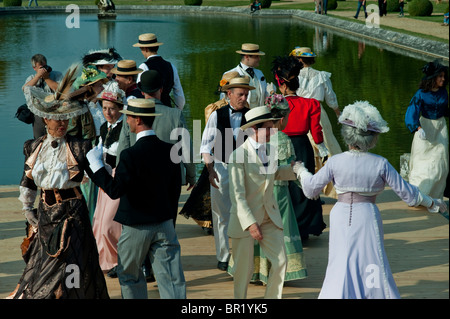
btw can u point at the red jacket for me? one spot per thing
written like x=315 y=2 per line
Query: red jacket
x=304 y=117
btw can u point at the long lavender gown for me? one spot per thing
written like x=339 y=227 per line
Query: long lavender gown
x=357 y=262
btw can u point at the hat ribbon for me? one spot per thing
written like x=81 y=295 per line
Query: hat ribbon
x=126 y=69
x=148 y=41
x=145 y=110
x=250 y=51
x=265 y=116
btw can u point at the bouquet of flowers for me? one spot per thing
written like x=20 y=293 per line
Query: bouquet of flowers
x=276 y=101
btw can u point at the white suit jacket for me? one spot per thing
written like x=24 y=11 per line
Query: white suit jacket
x=251 y=189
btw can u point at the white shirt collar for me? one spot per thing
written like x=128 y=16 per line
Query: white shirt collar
x=116 y=122
x=256 y=145
x=144 y=133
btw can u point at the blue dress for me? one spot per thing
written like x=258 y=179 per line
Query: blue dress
x=429 y=164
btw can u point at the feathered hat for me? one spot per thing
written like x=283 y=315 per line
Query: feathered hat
x=364 y=116
x=285 y=68
x=100 y=57
x=61 y=105
x=112 y=92
x=433 y=69
x=89 y=75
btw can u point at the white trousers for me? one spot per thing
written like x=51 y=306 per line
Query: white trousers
x=273 y=247
x=220 y=207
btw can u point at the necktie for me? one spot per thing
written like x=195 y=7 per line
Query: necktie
x=234 y=111
x=261 y=151
x=251 y=72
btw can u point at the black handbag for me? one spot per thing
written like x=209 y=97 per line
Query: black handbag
x=24 y=114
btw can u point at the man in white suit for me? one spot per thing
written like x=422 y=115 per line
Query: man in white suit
x=250 y=58
x=254 y=211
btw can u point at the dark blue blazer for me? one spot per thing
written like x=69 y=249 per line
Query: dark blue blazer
x=147 y=182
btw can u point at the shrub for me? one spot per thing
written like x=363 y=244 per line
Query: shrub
x=393 y=6
x=193 y=2
x=12 y=3
x=265 y=4
x=332 y=5
x=420 y=8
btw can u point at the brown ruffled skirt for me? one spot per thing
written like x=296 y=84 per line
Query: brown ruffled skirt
x=62 y=260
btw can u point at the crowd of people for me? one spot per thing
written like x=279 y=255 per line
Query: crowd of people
x=102 y=162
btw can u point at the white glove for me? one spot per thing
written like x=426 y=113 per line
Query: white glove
x=438 y=206
x=323 y=151
x=95 y=158
x=298 y=168
x=422 y=134
x=31 y=217
x=271 y=88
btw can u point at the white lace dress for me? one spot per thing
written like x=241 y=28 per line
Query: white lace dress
x=317 y=85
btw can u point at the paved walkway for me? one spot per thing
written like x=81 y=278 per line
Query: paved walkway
x=391 y=20
x=416 y=244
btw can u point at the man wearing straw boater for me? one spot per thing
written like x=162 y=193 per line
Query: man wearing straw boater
x=144 y=180
x=220 y=137
x=126 y=75
x=149 y=45
x=250 y=58
x=255 y=214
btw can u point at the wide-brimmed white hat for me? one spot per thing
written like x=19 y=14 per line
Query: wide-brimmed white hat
x=250 y=49
x=364 y=116
x=140 y=107
x=257 y=115
x=147 y=40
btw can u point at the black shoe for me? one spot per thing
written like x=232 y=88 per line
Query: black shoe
x=112 y=273
x=222 y=265
x=207 y=230
x=355 y=17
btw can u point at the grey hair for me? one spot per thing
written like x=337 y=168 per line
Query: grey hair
x=357 y=138
x=38 y=58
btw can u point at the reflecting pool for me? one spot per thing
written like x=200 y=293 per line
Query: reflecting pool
x=202 y=47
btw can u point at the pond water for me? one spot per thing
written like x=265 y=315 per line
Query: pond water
x=202 y=48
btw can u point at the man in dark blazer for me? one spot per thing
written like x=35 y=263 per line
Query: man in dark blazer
x=144 y=180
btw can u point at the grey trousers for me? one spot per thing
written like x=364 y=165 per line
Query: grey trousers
x=161 y=242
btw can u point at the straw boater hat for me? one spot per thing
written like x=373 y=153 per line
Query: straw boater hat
x=238 y=82
x=226 y=79
x=257 y=115
x=61 y=105
x=250 y=49
x=303 y=52
x=126 y=67
x=112 y=92
x=141 y=107
x=148 y=40
x=364 y=116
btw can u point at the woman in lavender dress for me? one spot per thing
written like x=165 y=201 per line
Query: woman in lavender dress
x=357 y=262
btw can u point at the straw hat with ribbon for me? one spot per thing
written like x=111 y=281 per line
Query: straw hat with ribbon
x=141 y=107
x=147 y=40
x=257 y=115
x=126 y=67
x=250 y=49
x=238 y=82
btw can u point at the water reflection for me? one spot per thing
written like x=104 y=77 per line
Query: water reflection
x=202 y=48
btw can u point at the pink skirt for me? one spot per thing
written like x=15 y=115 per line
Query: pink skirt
x=106 y=230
